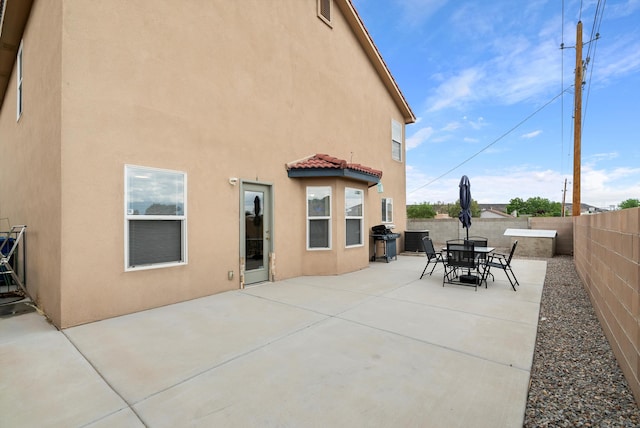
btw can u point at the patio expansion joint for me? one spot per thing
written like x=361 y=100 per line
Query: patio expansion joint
x=445 y=308
x=448 y=348
x=232 y=359
x=291 y=305
x=382 y=296
x=111 y=387
x=373 y=297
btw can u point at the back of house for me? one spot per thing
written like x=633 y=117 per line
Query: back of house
x=160 y=151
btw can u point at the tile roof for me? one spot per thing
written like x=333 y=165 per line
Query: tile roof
x=324 y=161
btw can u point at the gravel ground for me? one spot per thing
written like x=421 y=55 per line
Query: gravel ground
x=575 y=378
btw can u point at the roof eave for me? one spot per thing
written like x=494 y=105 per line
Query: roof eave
x=14 y=21
x=371 y=180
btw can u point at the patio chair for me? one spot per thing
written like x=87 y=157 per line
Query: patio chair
x=501 y=261
x=480 y=241
x=461 y=256
x=433 y=256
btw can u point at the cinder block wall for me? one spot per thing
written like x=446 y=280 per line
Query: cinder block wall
x=564 y=226
x=441 y=230
x=607 y=258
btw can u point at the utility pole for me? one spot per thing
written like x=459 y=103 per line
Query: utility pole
x=577 y=123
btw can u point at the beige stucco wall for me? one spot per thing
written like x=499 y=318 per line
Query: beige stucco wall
x=607 y=258
x=216 y=89
x=30 y=191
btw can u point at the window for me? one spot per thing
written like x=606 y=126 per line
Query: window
x=155 y=217
x=324 y=11
x=396 y=140
x=19 y=92
x=318 y=217
x=353 y=213
x=387 y=210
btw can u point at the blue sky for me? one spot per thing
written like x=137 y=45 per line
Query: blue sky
x=473 y=70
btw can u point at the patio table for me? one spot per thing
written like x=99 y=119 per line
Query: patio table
x=480 y=251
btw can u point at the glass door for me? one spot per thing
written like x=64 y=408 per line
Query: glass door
x=256 y=231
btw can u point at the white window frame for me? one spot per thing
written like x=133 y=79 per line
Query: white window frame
x=19 y=74
x=396 y=140
x=348 y=217
x=327 y=218
x=387 y=207
x=130 y=216
x=329 y=8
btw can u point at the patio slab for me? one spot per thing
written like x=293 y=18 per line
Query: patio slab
x=45 y=381
x=377 y=347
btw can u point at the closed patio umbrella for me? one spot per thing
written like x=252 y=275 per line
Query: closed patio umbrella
x=465 y=203
x=256 y=211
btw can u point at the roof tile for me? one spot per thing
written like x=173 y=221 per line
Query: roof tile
x=330 y=162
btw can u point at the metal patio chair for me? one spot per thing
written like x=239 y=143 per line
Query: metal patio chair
x=433 y=256
x=461 y=256
x=480 y=241
x=501 y=261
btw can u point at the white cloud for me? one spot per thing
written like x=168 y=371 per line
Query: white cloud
x=415 y=12
x=515 y=67
x=451 y=126
x=602 y=187
x=531 y=134
x=476 y=124
x=599 y=187
x=598 y=157
x=456 y=90
x=617 y=59
x=623 y=9
x=419 y=137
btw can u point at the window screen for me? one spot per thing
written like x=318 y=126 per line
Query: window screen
x=318 y=217
x=155 y=213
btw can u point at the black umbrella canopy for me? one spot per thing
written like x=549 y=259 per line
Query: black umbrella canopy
x=465 y=203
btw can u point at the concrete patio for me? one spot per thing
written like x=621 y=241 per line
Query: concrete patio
x=378 y=347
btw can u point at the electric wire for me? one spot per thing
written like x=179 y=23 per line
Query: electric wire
x=591 y=51
x=562 y=86
x=494 y=141
x=580 y=12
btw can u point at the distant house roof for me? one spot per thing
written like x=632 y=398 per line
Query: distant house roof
x=492 y=213
x=323 y=165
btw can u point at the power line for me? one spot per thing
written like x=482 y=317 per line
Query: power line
x=580 y=14
x=494 y=141
x=562 y=86
x=595 y=36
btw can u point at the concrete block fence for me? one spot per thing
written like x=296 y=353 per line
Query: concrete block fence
x=607 y=258
x=441 y=230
